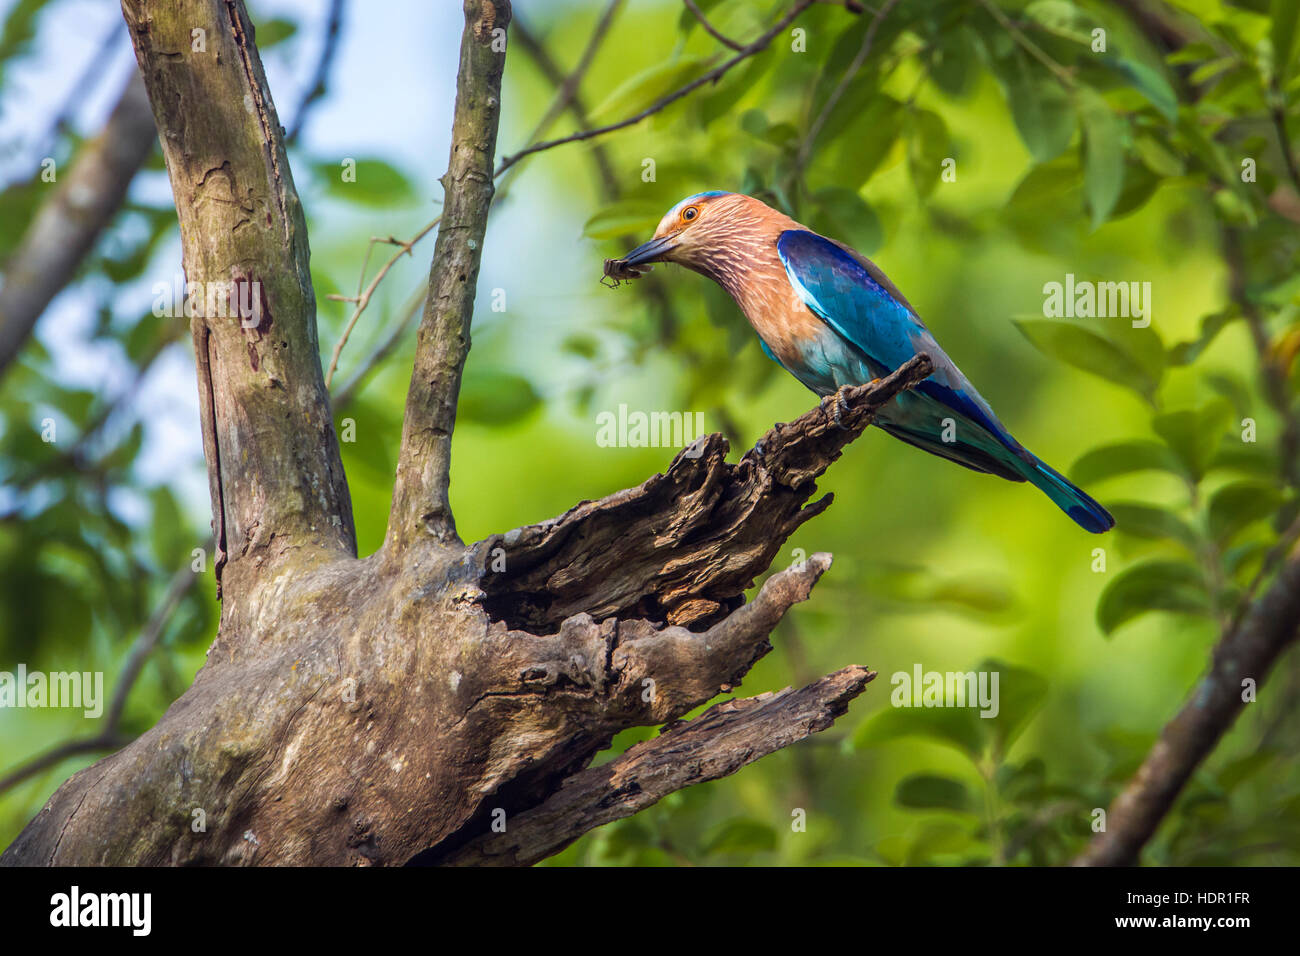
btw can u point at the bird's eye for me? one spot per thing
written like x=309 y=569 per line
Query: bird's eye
x=690 y=212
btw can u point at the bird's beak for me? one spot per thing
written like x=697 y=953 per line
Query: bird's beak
x=652 y=251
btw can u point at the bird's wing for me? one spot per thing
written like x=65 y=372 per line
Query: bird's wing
x=861 y=305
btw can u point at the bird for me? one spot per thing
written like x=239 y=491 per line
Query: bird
x=831 y=318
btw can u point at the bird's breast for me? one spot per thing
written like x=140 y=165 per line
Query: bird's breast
x=778 y=315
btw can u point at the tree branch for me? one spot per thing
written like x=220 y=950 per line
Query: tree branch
x=110 y=737
x=692 y=6
x=66 y=227
x=1246 y=652
x=868 y=39
x=420 y=494
x=316 y=89
x=683 y=547
x=726 y=737
x=712 y=75
x=566 y=96
x=276 y=476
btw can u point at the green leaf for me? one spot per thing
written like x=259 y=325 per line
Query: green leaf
x=743 y=836
x=1061 y=18
x=1158 y=157
x=1243 y=768
x=927 y=147
x=1023 y=783
x=924 y=791
x=1151 y=586
x=167 y=526
x=1088 y=351
x=272 y=31
x=496 y=398
x=1044 y=115
x=943 y=838
x=643 y=89
x=955 y=726
x=1147 y=521
x=1285 y=18
x=1148 y=81
x=1020 y=693
x=372 y=182
x=867 y=138
x=1048 y=186
x=1185 y=353
x=1103 y=155
x=844 y=215
x=952 y=60
x=1238 y=504
x=627 y=217
x=1194 y=435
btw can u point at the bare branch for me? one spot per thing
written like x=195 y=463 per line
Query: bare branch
x=1247 y=652
x=719 y=742
x=711 y=76
x=420 y=504
x=396 y=331
x=712 y=31
x=110 y=737
x=363 y=296
x=316 y=89
x=868 y=39
x=66 y=227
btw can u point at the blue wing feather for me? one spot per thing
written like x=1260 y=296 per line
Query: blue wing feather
x=864 y=311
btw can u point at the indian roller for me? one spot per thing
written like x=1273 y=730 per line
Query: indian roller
x=830 y=317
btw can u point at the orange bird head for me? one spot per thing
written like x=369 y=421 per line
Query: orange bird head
x=718 y=234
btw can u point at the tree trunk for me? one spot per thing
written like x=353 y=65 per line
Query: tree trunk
x=393 y=708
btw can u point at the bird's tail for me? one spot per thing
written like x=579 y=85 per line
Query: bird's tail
x=1087 y=514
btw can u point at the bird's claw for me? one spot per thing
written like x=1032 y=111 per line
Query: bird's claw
x=839 y=406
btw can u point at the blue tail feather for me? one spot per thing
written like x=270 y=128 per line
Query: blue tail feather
x=1087 y=514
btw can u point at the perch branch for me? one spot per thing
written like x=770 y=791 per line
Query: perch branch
x=684 y=546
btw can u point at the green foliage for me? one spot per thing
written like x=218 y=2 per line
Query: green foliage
x=371 y=182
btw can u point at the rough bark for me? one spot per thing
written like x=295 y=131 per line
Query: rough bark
x=373 y=711
x=719 y=742
x=420 y=504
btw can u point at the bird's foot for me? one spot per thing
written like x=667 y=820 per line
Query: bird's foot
x=840 y=407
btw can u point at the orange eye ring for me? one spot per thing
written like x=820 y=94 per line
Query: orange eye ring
x=689 y=213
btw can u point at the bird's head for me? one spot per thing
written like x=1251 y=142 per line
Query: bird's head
x=702 y=228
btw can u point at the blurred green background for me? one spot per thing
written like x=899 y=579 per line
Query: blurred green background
x=1115 y=166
